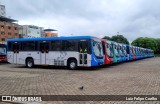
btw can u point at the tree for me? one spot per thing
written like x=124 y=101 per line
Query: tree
x=120 y=39
x=158 y=45
x=107 y=37
x=149 y=43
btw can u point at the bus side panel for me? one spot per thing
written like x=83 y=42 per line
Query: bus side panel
x=19 y=59
x=115 y=58
x=120 y=59
x=10 y=56
x=96 y=62
x=107 y=60
x=60 y=58
x=34 y=55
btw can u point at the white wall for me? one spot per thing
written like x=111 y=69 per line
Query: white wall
x=31 y=31
x=2 y=10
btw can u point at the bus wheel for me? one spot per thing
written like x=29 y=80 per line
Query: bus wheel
x=29 y=63
x=72 y=64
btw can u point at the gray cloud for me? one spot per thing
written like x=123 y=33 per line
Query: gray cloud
x=133 y=19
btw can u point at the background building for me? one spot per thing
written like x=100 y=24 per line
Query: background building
x=8 y=29
x=30 y=31
x=50 y=33
x=2 y=11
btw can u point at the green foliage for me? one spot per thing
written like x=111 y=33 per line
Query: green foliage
x=117 y=38
x=149 y=43
x=107 y=37
x=120 y=39
x=158 y=45
x=145 y=42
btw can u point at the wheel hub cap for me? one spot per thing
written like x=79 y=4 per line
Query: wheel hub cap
x=72 y=65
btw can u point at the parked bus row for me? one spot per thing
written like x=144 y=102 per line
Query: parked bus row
x=73 y=51
x=116 y=52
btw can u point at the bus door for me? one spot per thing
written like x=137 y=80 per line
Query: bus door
x=15 y=47
x=44 y=52
x=83 y=48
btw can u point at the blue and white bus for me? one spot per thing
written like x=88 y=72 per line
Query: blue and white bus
x=70 y=51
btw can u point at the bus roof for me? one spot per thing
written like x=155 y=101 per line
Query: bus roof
x=50 y=38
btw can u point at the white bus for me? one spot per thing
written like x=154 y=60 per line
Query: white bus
x=59 y=51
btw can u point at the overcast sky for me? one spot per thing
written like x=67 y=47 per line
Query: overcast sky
x=131 y=18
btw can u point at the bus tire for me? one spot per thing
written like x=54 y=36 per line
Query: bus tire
x=29 y=63
x=72 y=64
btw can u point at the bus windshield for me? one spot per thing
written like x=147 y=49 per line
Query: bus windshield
x=124 y=50
x=97 y=48
x=2 y=51
x=109 y=50
x=131 y=52
x=120 y=50
x=116 y=50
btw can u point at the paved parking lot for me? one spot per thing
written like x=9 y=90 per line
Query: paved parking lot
x=140 y=77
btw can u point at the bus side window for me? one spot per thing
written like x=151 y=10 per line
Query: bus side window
x=69 y=45
x=28 y=46
x=80 y=48
x=9 y=46
x=87 y=48
x=56 y=45
x=47 y=48
x=36 y=45
x=44 y=47
x=15 y=47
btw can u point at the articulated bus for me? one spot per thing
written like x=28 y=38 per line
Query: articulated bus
x=108 y=51
x=73 y=51
x=3 y=53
